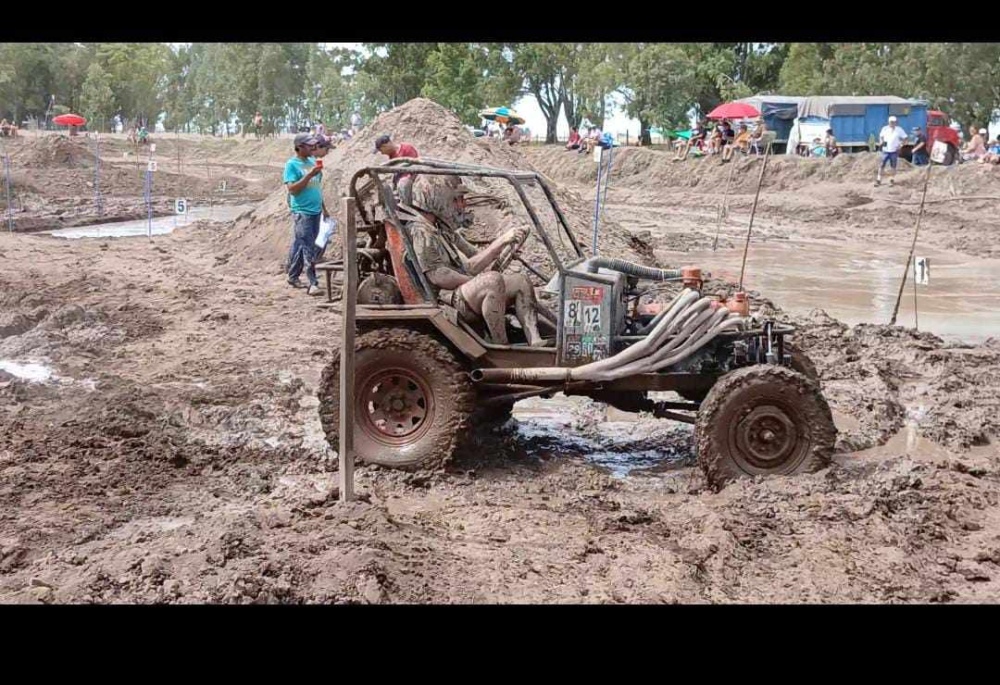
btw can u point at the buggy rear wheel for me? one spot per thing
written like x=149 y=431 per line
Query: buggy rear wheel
x=412 y=400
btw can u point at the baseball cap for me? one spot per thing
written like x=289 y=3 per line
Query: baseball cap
x=983 y=131
x=382 y=140
x=892 y=118
x=305 y=139
x=324 y=141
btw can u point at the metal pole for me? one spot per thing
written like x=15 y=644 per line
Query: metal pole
x=98 y=200
x=148 y=194
x=349 y=301
x=182 y=181
x=135 y=147
x=916 y=320
x=597 y=205
x=913 y=245
x=211 y=188
x=10 y=209
x=607 y=181
x=753 y=211
x=722 y=207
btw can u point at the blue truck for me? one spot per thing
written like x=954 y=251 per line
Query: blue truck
x=779 y=113
x=856 y=120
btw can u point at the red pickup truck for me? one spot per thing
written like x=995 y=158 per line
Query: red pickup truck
x=939 y=128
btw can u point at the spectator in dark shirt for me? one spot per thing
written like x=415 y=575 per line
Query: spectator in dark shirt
x=920 y=154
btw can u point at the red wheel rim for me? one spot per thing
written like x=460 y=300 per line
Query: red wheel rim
x=395 y=406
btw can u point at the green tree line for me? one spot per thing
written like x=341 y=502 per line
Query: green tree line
x=196 y=87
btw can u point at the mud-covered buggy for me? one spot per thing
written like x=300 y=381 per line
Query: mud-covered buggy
x=425 y=378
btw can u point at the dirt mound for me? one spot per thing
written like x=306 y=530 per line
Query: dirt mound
x=52 y=151
x=635 y=167
x=198 y=151
x=56 y=183
x=650 y=191
x=437 y=133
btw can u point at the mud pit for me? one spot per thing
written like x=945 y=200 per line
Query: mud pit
x=175 y=454
x=858 y=286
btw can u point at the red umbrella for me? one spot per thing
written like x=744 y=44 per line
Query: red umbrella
x=69 y=120
x=734 y=110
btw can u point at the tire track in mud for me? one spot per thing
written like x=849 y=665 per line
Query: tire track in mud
x=161 y=485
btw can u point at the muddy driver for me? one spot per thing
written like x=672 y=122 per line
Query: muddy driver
x=458 y=272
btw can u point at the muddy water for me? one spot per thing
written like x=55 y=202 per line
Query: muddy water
x=160 y=225
x=859 y=283
x=621 y=442
x=32 y=372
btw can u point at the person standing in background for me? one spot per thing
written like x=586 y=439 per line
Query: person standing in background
x=891 y=137
x=303 y=179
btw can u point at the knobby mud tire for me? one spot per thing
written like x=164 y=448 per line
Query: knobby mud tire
x=802 y=363
x=431 y=366
x=763 y=420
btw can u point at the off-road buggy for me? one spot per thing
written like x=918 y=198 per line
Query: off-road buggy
x=425 y=378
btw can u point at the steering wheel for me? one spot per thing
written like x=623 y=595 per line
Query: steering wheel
x=508 y=254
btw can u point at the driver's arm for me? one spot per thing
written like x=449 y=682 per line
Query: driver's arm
x=446 y=278
x=464 y=246
x=484 y=259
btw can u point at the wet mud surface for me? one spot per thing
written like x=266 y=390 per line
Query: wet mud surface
x=160 y=442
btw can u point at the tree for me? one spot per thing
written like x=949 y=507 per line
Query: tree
x=659 y=83
x=500 y=82
x=178 y=98
x=802 y=72
x=588 y=83
x=544 y=66
x=97 y=99
x=71 y=62
x=468 y=77
x=138 y=74
x=8 y=79
x=753 y=68
x=281 y=81
x=927 y=71
x=329 y=93
x=207 y=86
x=393 y=73
x=730 y=71
x=969 y=100
x=30 y=82
x=453 y=80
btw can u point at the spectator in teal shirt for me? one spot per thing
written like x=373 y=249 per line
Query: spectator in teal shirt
x=304 y=179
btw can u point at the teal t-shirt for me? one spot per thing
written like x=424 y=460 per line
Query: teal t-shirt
x=310 y=199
